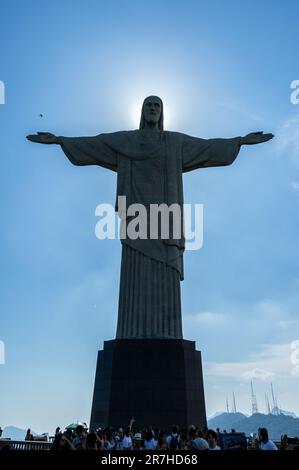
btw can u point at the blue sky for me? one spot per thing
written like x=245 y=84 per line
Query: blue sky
x=223 y=69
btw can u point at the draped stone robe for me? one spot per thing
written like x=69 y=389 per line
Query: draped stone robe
x=150 y=166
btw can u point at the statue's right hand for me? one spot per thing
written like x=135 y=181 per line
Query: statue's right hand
x=43 y=138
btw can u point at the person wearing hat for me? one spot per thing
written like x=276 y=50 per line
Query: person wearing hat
x=137 y=441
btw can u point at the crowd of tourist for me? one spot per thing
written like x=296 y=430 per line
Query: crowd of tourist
x=77 y=437
x=148 y=439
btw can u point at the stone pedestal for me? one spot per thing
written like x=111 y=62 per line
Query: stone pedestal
x=159 y=382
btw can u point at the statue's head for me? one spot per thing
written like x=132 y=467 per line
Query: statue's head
x=152 y=113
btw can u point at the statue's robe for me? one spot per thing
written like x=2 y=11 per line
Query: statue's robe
x=150 y=166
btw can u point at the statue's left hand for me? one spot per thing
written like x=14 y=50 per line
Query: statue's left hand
x=256 y=138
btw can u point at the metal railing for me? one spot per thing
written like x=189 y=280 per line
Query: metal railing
x=25 y=445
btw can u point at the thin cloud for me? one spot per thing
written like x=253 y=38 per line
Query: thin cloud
x=258 y=374
x=234 y=107
x=272 y=359
x=287 y=324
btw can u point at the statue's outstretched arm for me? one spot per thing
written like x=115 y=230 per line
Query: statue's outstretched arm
x=256 y=138
x=43 y=138
x=81 y=150
x=201 y=153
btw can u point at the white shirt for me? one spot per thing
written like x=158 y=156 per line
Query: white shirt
x=150 y=445
x=127 y=442
x=268 y=445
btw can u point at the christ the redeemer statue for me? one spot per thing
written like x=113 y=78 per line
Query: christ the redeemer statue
x=150 y=163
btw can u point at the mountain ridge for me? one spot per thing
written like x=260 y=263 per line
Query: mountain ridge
x=277 y=425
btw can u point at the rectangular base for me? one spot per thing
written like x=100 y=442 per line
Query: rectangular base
x=159 y=382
